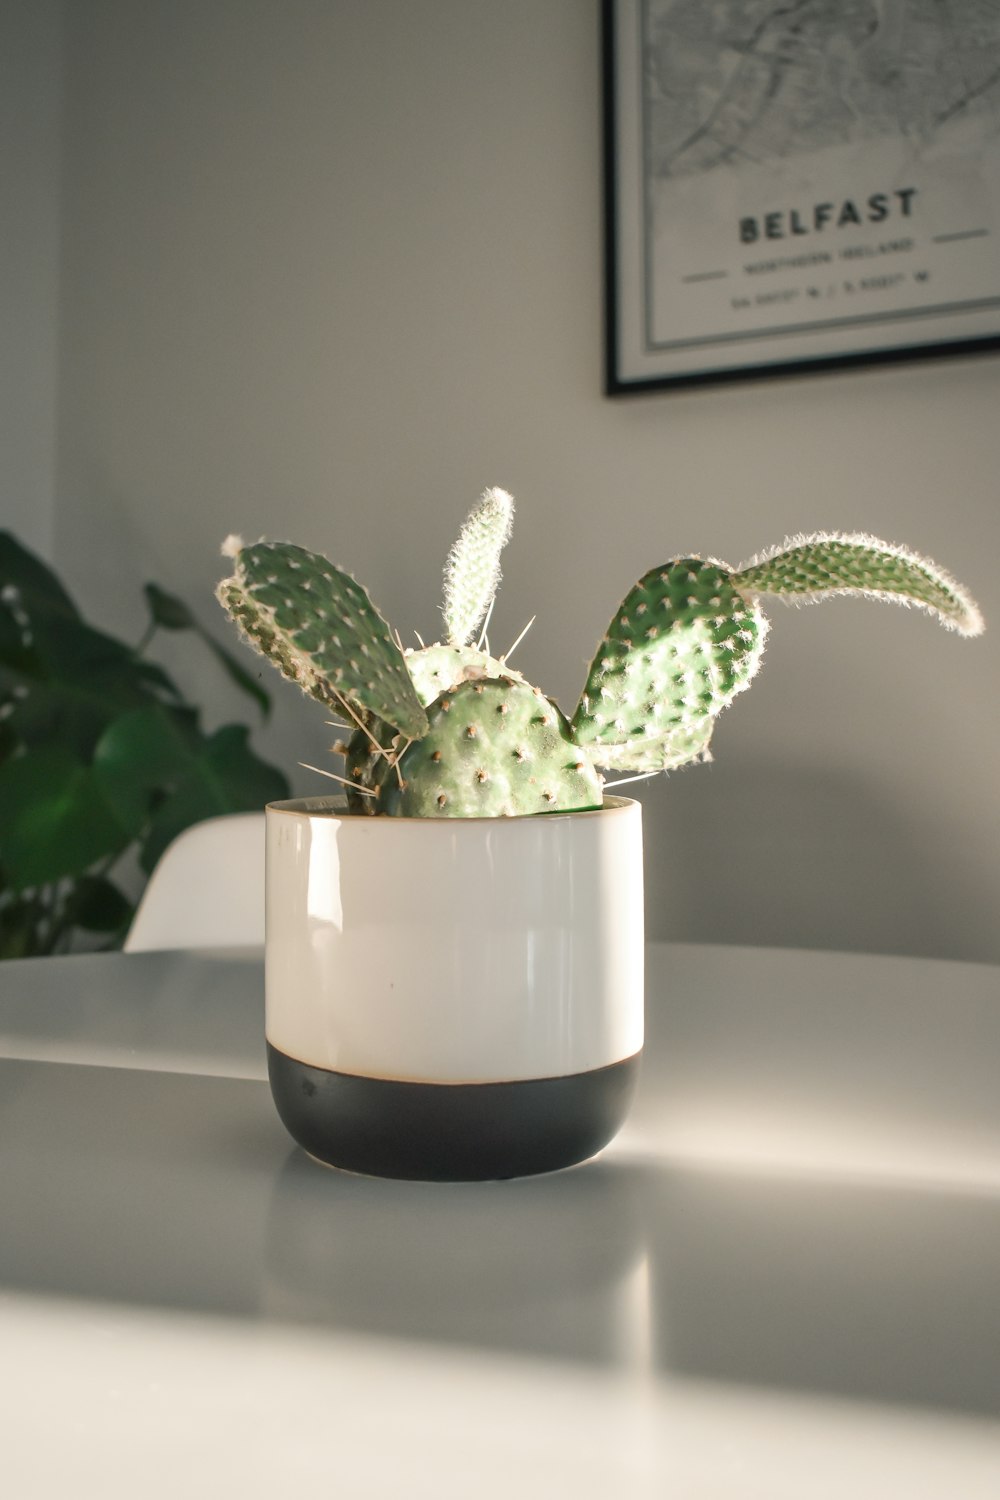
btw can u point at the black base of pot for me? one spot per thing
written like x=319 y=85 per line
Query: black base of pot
x=450 y=1132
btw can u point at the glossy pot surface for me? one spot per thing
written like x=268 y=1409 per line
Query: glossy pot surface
x=434 y=979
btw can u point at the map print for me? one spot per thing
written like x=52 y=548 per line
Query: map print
x=732 y=81
x=813 y=178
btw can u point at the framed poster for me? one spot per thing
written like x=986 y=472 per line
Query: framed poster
x=798 y=184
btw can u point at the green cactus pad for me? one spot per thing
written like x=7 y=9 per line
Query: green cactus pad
x=683 y=643
x=435 y=669
x=472 y=571
x=495 y=748
x=814 y=567
x=255 y=628
x=320 y=628
x=684 y=744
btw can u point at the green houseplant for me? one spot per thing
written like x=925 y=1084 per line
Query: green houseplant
x=101 y=758
x=453 y=987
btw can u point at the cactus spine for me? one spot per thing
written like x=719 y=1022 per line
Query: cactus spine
x=450 y=731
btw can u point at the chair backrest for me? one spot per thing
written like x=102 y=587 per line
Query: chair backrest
x=207 y=890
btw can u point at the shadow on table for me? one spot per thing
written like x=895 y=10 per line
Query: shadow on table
x=180 y=1192
x=865 y=1291
x=846 y=1289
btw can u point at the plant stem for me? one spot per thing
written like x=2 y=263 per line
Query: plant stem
x=148 y=634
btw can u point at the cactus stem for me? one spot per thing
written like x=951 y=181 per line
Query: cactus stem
x=505 y=658
x=342 y=701
x=356 y=786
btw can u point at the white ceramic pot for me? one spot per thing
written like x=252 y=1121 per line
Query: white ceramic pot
x=453 y=998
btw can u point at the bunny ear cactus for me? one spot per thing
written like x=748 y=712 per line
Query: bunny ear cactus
x=809 y=568
x=320 y=628
x=472 y=572
x=451 y=731
x=682 y=644
x=690 y=636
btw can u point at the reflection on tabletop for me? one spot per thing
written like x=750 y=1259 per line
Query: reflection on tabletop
x=781 y=1279
x=820 y=1301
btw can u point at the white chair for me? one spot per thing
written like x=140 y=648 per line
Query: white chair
x=207 y=890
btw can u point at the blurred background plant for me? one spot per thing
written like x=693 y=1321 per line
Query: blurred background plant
x=102 y=761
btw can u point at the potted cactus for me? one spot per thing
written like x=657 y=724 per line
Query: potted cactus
x=454 y=943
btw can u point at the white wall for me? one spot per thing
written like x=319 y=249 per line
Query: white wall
x=330 y=267
x=30 y=61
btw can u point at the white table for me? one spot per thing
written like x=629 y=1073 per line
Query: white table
x=782 y=1281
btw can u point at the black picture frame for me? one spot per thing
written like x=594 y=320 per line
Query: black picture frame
x=870 y=247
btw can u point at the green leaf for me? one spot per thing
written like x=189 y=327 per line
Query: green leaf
x=142 y=753
x=38 y=588
x=156 y=681
x=97 y=905
x=19 y=927
x=98 y=751
x=80 y=681
x=172 y=613
x=242 y=777
x=243 y=679
x=16 y=653
x=63 y=649
x=73 y=713
x=166 y=610
x=224 y=777
x=54 y=819
x=34 y=720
